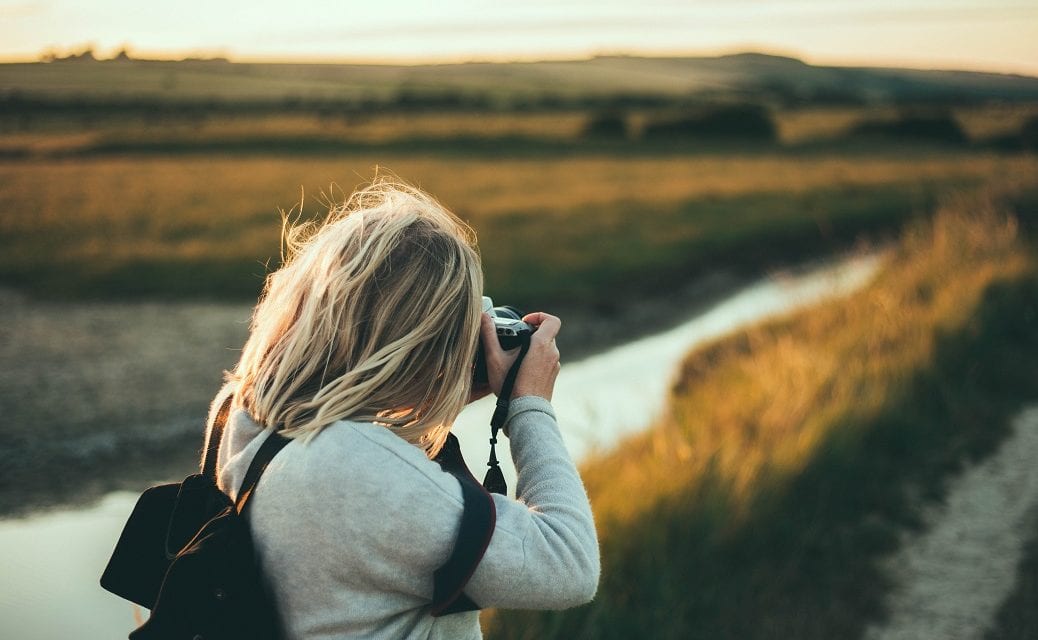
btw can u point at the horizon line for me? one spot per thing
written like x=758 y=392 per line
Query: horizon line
x=435 y=60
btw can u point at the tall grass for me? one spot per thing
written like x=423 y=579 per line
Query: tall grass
x=207 y=226
x=793 y=453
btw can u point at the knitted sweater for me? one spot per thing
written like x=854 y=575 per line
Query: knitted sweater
x=350 y=527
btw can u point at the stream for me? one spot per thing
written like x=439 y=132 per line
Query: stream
x=51 y=562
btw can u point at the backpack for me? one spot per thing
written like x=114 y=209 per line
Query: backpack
x=186 y=552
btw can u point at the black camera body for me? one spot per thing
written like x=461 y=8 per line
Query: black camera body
x=511 y=331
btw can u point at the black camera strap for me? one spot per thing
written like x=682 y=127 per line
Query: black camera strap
x=494 y=481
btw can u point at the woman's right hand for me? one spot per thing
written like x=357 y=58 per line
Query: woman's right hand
x=540 y=367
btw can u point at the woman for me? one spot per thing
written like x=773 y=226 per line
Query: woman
x=361 y=352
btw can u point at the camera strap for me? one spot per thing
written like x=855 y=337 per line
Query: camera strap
x=494 y=481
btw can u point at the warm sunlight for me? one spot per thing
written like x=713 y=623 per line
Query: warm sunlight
x=777 y=268
x=962 y=34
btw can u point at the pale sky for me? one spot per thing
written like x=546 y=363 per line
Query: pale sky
x=999 y=35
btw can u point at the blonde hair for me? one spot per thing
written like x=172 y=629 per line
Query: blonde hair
x=374 y=316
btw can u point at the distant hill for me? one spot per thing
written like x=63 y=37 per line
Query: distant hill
x=748 y=75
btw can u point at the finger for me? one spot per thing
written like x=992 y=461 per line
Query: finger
x=548 y=326
x=488 y=333
x=534 y=318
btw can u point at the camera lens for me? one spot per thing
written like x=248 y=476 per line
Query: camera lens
x=508 y=312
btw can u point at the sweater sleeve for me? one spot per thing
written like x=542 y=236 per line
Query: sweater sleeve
x=544 y=551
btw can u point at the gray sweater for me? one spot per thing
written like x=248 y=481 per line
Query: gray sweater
x=350 y=527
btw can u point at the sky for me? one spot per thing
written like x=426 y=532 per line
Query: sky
x=997 y=35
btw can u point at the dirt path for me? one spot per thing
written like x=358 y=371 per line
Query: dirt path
x=954 y=575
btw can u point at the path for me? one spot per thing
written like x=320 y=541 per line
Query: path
x=955 y=574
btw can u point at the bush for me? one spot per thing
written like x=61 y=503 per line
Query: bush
x=607 y=124
x=728 y=122
x=1029 y=134
x=913 y=126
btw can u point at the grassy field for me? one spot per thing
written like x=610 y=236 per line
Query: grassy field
x=505 y=84
x=91 y=132
x=794 y=453
x=195 y=226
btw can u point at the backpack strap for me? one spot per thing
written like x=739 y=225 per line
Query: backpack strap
x=477 y=527
x=212 y=447
x=274 y=443
x=270 y=447
x=478 y=517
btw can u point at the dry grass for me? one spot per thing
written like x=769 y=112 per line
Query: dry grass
x=982 y=123
x=83 y=220
x=759 y=506
x=160 y=197
x=803 y=125
x=818 y=123
x=364 y=128
x=405 y=126
x=826 y=123
x=787 y=385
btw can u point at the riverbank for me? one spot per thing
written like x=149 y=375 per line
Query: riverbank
x=597 y=400
x=795 y=454
x=103 y=396
x=110 y=396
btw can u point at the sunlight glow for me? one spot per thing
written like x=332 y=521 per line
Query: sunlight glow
x=966 y=34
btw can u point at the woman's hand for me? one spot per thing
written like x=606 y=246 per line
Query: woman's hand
x=540 y=367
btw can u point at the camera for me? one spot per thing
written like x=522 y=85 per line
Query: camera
x=508 y=321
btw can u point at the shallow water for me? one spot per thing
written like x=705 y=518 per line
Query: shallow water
x=604 y=397
x=50 y=565
x=51 y=562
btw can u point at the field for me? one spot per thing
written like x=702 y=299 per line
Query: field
x=603 y=79
x=205 y=225
x=794 y=454
x=179 y=198
x=598 y=232
x=41 y=134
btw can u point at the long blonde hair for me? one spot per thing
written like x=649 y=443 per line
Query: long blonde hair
x=374 y=316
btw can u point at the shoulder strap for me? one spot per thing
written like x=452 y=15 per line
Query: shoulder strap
x=477 y=527
x=274 y=443
x=212 y=448
x=270 y=447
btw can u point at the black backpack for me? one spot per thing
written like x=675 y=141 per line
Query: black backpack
x=186 y=552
